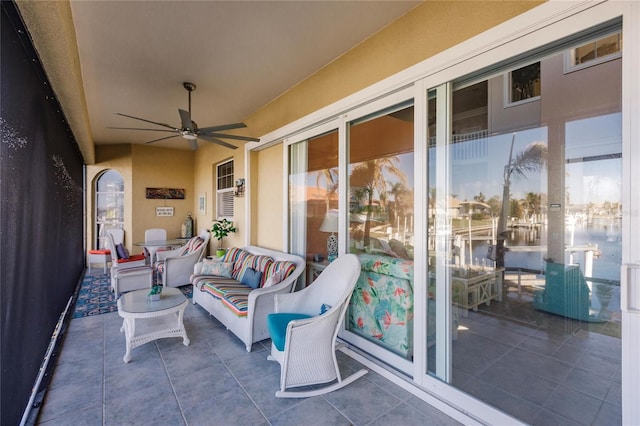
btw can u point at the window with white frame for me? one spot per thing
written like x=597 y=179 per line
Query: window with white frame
x=594 y=52
x=224 y=190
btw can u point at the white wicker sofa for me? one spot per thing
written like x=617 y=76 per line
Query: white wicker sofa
x=243 y=309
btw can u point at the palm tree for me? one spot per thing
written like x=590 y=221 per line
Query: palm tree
x=531 y=159
x=372 y=176
x=330 y=176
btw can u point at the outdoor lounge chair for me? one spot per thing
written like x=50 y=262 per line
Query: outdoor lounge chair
x=304 y=329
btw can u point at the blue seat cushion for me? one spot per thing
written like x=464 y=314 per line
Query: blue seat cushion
x=277 y=325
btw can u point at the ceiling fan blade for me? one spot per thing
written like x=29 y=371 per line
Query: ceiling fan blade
x=218 y=141
x=137 y=128
x=193 y=143
x=236 y=137
x=185 y=118
x=222 y=127
x=148 y=121
x=161 y=139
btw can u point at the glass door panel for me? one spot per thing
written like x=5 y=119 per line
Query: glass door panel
x=524 y=238
x=313 y=198
x=381 y=224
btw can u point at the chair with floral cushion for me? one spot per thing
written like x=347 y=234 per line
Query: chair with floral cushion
x=304 y=329
x=174 y=267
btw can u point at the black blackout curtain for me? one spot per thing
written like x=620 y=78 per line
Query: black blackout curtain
x=41 y=215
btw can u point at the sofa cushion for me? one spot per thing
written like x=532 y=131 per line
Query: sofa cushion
x=222 y=269
x=192 y=245
x=235 y=254
x=240 y=266
x=238 y=301
x=285 y=266
x=274 y=279
x=251 y=277
x=220 y=287
x=277 y=326
x=386 y=265
x=122 y=251
x=132 y=258
x=262 y=263
x=103 y=251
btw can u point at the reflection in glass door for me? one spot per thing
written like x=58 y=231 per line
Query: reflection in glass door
x=313 y=199
x=381 y=232
x=524 y=217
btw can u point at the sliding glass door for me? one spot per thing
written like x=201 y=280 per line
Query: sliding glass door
x=524 y=233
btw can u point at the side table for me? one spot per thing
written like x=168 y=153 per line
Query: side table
x=314 y=269
x=146 y=320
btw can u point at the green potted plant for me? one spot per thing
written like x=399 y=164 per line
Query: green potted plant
x=221 y=229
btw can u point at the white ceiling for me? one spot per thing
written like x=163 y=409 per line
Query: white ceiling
x=134 y=56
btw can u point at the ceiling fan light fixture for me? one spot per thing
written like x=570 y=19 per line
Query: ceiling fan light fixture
x=188 y=135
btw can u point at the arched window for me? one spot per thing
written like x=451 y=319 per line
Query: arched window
x=109 y=210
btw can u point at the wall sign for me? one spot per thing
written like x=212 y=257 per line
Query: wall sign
x=164 y=211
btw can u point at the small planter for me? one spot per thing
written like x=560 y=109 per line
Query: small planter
x=155 y=293
x=220 y=252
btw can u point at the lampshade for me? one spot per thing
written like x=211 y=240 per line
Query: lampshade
x=330 y=222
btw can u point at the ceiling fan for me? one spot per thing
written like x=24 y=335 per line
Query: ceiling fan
x=190 y=130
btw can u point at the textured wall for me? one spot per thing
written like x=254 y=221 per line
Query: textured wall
x=425 y=31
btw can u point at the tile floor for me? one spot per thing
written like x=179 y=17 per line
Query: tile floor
x=543 y=369
x=214 y=381
x=538 y=367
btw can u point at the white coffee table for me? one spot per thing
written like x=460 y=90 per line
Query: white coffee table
x=146 y=320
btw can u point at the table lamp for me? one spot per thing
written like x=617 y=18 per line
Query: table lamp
x=330 y=224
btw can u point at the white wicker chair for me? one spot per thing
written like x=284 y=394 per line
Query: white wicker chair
x=175 y=267
x=154 y=234
x=130 y=274
x=308 y=354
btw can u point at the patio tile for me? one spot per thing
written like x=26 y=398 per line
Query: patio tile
x=549 y=418
x=537 y=364
x=362 y=401
x=586 y=382
x=574 y=405
x=203 y=384
x=541 y=345
x=67 y=373
x=510 y=404
x=152 y=404
x=62 y=400
x=144 y=373
x=89 y=416
x=377 y=379
x=227 y=409
x=245 y=365
x=609 y=414
x=310 y=412
x=598 y=365
x=513 y=380
x=434 y=416
x=262 y=391
x=405 y=414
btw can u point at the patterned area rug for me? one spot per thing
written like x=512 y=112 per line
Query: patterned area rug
x=95 y=296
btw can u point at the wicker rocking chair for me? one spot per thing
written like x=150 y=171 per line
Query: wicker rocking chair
x=304 y=329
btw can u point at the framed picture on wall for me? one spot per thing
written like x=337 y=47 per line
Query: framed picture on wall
x=202 y=203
